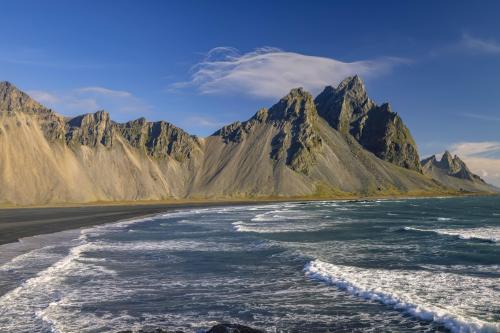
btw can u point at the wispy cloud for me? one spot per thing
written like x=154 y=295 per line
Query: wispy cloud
x=480 y=116
x=468 y=44
x=203 y=121
x=482 y=158
x=484 y=148
x=44 y=97
x=91 y=99
x=479 y=45
x=271 y=72
x=105 y=92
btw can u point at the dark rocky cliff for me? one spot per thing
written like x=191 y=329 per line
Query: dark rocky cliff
x=159 y=139
x=295 y=116
x=378 y=129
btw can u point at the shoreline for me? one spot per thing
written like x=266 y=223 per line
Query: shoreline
x=174 y=202
x=17 y=223
x=20 y=222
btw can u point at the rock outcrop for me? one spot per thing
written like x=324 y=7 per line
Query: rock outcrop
x=220 y=328
x=159 y=139
x=233 y=328
x=298 y=141
x=12 y=99
x=90 y=129
x=378 y=129
x=340 y=144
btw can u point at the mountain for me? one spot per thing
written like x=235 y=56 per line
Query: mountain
x=452 y=172
x=377 y=128
x=339 y=144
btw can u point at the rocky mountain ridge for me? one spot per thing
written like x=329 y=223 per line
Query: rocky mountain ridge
x=160 y=139
x=452 y=171
x=340 y=143
x=377 y=128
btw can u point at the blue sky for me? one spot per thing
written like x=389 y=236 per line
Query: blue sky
x=202 y=64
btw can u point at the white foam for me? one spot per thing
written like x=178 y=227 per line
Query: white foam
x=19 y=308
x=490 y=234
x=29 y=247
x=456 y=301
x=44 y=302
x=282 y=226
x=281 y=215
x=241 y=226
x=445 y=219
x=164 y=245
x=30 y=258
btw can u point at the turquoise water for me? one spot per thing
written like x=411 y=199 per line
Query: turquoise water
x=416 y=265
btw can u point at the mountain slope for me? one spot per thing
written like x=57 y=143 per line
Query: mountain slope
x=290 y=150
x=287 y=150
x=454 y=173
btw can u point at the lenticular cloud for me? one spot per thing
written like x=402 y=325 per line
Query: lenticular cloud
x=270 y=72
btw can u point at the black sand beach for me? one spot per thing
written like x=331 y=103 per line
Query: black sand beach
x=16 y=223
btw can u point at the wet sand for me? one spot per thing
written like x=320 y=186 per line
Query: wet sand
x=16 y=223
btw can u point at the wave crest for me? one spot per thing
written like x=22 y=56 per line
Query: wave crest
x=413 y=292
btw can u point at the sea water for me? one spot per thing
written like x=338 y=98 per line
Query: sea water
x=414 y=265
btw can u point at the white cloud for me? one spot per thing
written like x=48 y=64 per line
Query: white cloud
x=468 y=44
x=480 y=116
x=43 y=97
x=270 y=72
x=104 y=91
x=201 y=121
x=483 y=158
x=479 y=45
x=91 y=99
x=484 y=148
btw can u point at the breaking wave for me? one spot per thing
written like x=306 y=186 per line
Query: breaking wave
x=430 y=296
x=491 y=234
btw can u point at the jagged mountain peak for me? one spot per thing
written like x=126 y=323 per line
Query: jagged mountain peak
x=426 y=160
x=386 y=107
x=298 y=103
x=292 y=124
x=348 y=109
x=99 y=115
x=447 y=156
x=296 y=106
x=295 y=95
x=449 y=165
x=342 y=105
x=291 y=110
x=447 y=162
x=5 y=84
x=352 y=83
x=298 y=92
x=160 y=139
x=90 y=129
x=13 y=99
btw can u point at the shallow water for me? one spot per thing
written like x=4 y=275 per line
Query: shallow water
x=417 y=265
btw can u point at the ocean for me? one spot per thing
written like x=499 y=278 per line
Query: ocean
x=409 y=265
